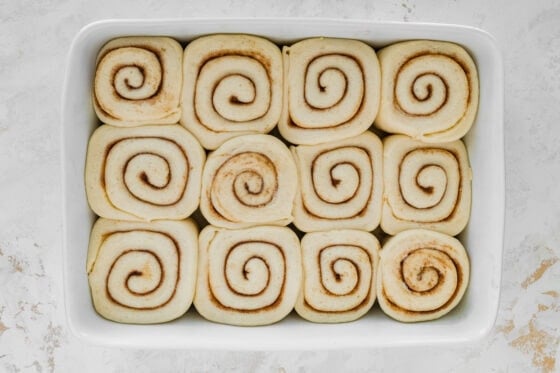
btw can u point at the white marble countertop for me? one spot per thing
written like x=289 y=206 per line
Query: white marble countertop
x=34 y=41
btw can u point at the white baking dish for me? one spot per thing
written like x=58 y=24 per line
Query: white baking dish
x=483 y=238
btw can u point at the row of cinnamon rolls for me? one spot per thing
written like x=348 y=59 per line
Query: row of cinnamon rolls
x=315 y=90
x=151 y=272
x=161 y=172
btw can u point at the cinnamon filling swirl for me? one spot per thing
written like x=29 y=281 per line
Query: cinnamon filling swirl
x=142 y=272
x=426 y=186
x=340 y=268
x=144 y=173
x=233 y=87
x=340 y=184
x=138 y=81
x=331 y=90
x=249 y=180
x=248 y=277
x=430 y=90
x=423 y=275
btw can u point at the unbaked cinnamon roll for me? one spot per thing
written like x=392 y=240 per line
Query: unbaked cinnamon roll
x=422 y=275
x=426 y=185
x=142 y=273
x=339 y=275
x=249 y=180
x=331 y=90
x=429 y=90
x=143 y=173
x=341 y=184
x=138 y=81
x=233 y=87
x=248 y=277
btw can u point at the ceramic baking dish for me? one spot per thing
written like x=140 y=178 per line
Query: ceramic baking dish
x=483 y=238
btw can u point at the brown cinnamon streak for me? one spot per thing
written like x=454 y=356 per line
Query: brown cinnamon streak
x=266 y=308
x=362 y=211
x=430 y=189
x=135 y=272
x=150 y=99
x=259 y=57
x=451 y=56
x=396 y=307
x=144 y=178
x=335 y=125
x=366 y=298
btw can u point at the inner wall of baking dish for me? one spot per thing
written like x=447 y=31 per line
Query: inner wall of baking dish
x=482 y=237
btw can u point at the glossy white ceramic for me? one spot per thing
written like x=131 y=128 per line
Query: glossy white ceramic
x=483 y=238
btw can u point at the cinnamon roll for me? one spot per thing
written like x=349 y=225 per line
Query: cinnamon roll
x=331 y=90
x=339 y=275
x=247 y=277
x=341 y=184
x=422 y=275
x=233 y=86
x=249 y=180
x=142 y=273
x=429 y=90
x=138 y=81
x=143 y=173
x=426 y=186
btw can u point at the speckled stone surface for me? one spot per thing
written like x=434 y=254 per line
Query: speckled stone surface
x=34 y=39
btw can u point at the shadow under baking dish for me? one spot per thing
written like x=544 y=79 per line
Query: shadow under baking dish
x=483 y=237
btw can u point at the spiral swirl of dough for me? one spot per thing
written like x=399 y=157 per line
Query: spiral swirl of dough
x=233 y=87
x=339 y=269
x=426 y=186
x=331 y=90
x=430 y=90
x=142 y=272
x=341 y=184
x=248 y=277
x=138 y=81
x=144 y=173
x=249 y=180
x=422 y=275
